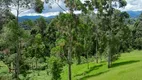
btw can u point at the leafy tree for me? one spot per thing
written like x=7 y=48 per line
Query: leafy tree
x=137 y=33
x=18 y=5
x=55 y=67
x=11 y=35
x=5 y=17
x=36 y=49
x=107 y=13
x=66 y=30
x=56 y=60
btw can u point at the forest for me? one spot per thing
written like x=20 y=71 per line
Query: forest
x=102 y=45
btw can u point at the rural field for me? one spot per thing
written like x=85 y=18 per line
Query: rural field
x=127 y=67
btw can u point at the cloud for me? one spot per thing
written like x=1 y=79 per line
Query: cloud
x=54 y=7
x=46 y=14
x=132 y=5
x=49 y=9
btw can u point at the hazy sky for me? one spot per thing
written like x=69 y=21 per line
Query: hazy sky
x=133 y=5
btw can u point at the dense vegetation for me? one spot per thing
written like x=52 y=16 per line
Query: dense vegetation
x=69 y=43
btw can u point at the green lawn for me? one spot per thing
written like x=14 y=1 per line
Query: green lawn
x=128 y=67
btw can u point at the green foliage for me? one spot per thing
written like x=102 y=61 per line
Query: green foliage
x=37 y=47
x=38 y=6
x=122 y=3
x=56 y=50
x=56 y=67
x=7 y=15
x=60 y=42
x=138 y=42
x=137 y=34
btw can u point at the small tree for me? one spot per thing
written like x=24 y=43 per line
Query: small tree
x=37 y=48
x=55 y=61
x=56 y=66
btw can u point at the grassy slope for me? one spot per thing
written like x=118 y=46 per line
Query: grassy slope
x=128 y=67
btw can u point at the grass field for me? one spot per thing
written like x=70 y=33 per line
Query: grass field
x=127 y=67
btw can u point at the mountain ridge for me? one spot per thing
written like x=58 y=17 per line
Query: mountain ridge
x=23 y=18
x=133 y=14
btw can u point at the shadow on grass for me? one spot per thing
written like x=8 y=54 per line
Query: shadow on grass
x=89 y=70
x=88 y=76
x=124 y=63
x=96 y=67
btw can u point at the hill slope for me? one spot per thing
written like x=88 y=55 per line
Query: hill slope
x=128 y=67
x=23 y=18
x=134 y=14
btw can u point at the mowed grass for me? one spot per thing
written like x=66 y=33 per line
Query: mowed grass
x=127 y=67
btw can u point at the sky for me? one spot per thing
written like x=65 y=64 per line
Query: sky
x=132 y=5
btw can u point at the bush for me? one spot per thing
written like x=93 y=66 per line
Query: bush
x=5 y=77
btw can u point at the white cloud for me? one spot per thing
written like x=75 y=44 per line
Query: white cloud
x=47 y=11
x=133 y=5
x=54 y=7
x=46 y=14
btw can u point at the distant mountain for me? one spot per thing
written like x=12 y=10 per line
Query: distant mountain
x=134 y=14
x=23 y=18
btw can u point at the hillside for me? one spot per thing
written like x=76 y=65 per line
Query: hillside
x=134 y=14
x=23 y=18
x=128 y=67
